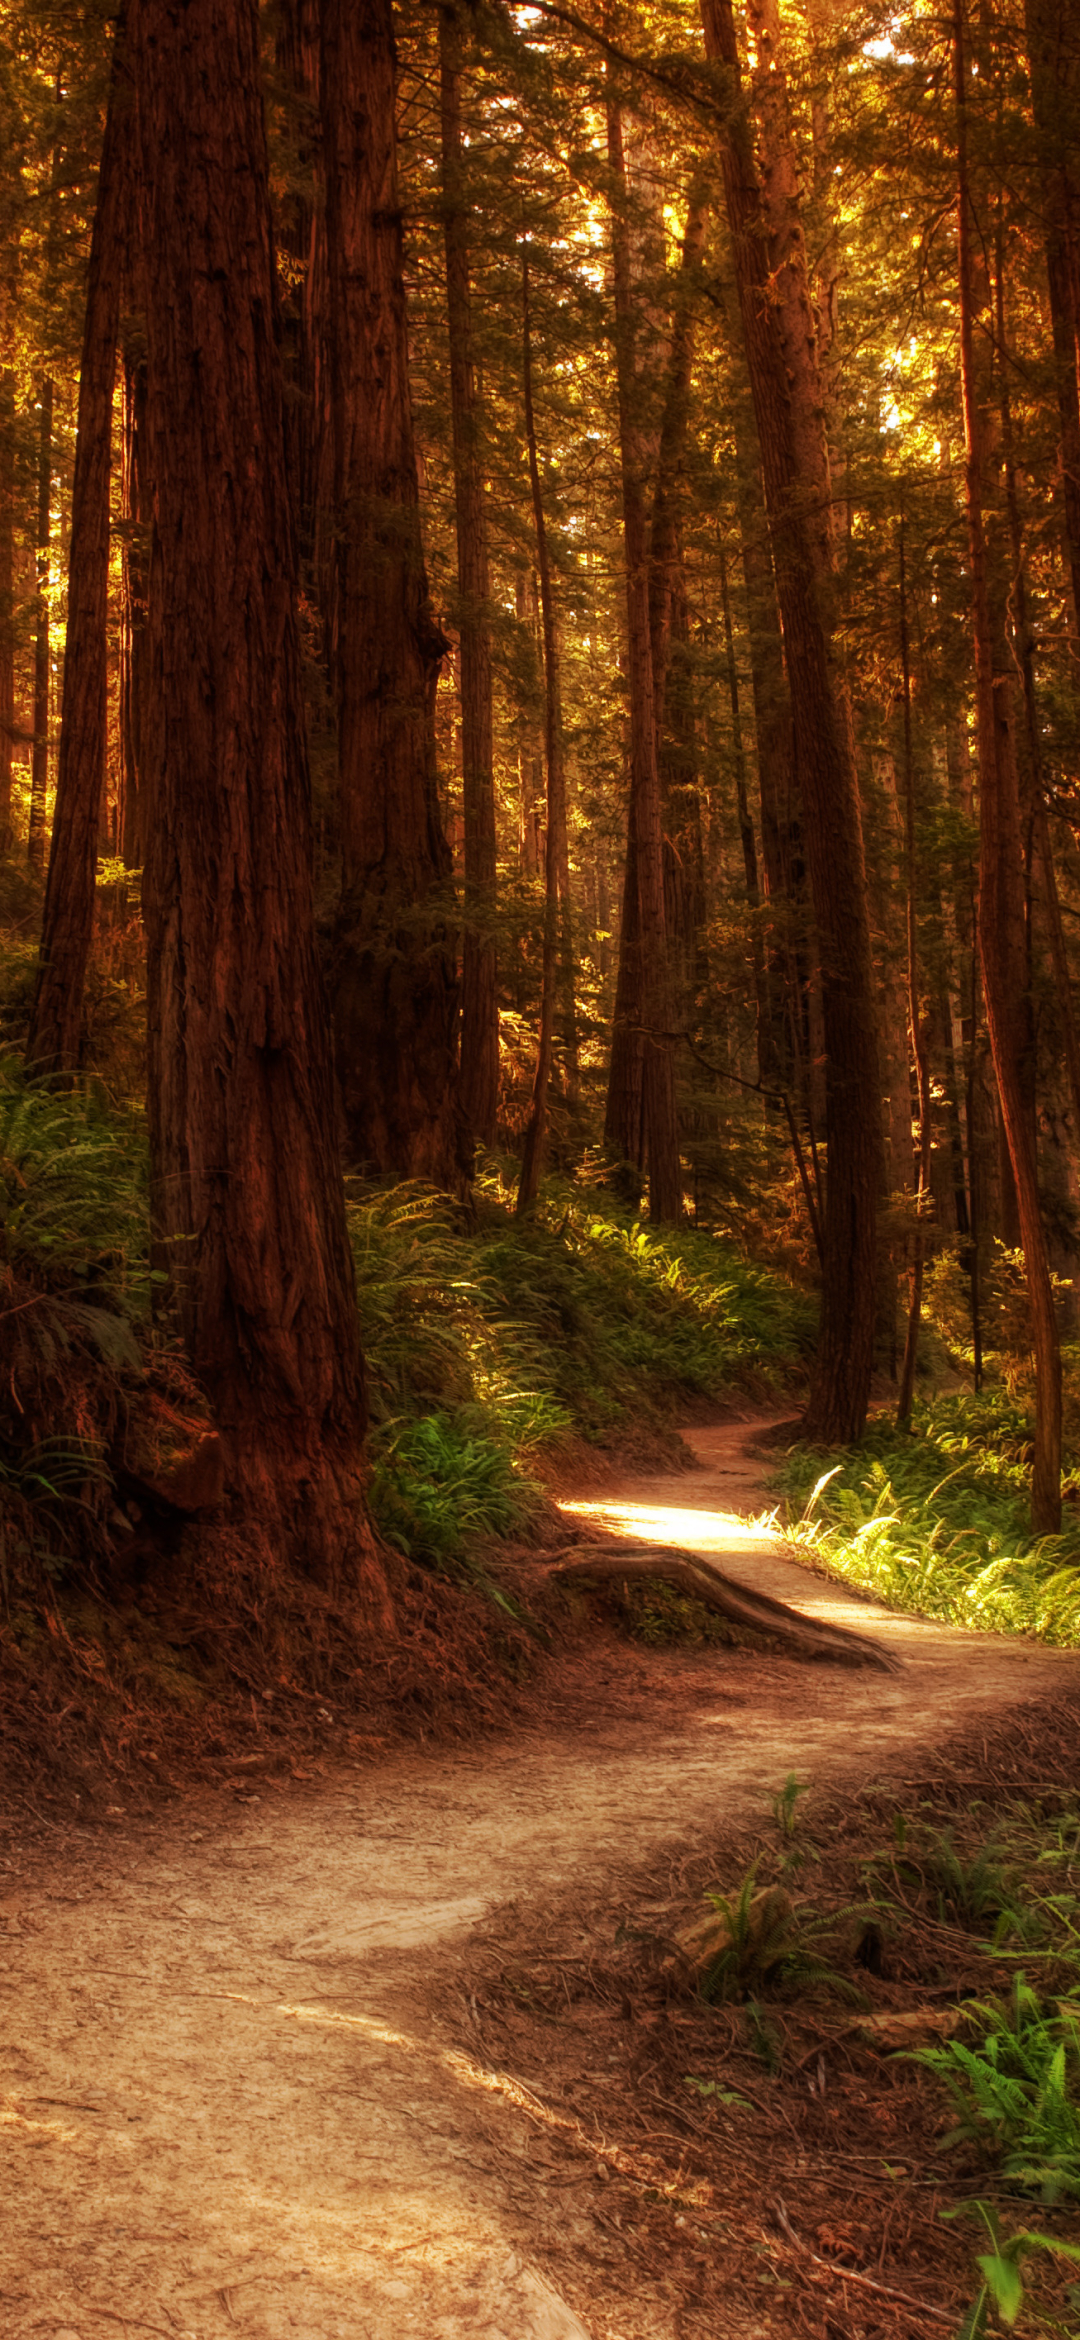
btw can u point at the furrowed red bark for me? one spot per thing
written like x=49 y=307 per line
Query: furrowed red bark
x=1002 y=936
x=778 y=332
x=53 y=1040
x=479 y=998
x=246 y=1182
x=394 y=985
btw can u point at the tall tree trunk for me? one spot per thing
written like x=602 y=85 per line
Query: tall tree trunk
x=395 y=994
x=39 y=754
x=767 y=1071
x=648 y=951
x=536 y=1127
x=7 y=600
x=479 y=1000
x=771 y=277
x=1053 y=45
x=916 y=1028
x=53 y=1041
x=137 y=701
x=1002 y=937
x=246 y=1179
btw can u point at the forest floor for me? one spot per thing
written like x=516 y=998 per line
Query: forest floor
x=361 y=2056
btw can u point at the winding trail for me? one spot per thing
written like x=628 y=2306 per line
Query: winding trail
x=226 y=2100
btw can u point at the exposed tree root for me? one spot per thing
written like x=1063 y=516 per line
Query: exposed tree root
x=806 y=1637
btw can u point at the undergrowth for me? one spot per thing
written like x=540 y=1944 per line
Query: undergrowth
x=935 y=1519
x=491 y=1346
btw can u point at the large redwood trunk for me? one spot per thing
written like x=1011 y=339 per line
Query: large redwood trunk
x=643 y=1008
x=393 y=979
x=247 y=1189
x=479 y=1001
x=1002 y=906
x=53 y=1041
x=778 y=330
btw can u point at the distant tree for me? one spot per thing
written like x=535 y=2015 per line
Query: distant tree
x=393 y=980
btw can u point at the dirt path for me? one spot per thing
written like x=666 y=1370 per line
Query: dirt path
x=230 y=2094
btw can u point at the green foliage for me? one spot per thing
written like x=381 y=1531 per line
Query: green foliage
x=1015 y=2094
x=437 y=1489
x=491 y=1341
x=936 y=1519
x=772 y=1944
x=1001 y=2289
x=74 y=1191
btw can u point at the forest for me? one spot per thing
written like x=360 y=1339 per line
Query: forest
x=539 y=568
x=540 y=1168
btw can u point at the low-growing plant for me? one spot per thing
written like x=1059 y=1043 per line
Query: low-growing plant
x=1001 y=2289
x=1015 y=2094
x=770 y=1943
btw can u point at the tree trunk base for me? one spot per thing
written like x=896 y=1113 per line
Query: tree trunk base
x=805 y=1637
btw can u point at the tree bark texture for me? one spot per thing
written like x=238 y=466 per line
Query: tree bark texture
x=394 y=984
x=39 y=753
x=247 y=1189
x=778 y=331
x=1053 y=45
x=137 y=699
x=56 y=1017
x=536 y=1126
x=650 y=1013
x=1002 y=906
x=7 y=600
x=479 y=996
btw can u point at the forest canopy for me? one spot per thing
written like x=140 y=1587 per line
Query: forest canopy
x=539 y=571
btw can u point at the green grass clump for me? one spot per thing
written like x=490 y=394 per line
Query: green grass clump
x=936 y=1519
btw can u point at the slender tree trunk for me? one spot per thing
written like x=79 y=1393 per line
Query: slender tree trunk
x=771 y=277
x=479 y=999
x=1053 y=45
x=53 y=1041
x=7 y=600
x=648 y=950
x=1003 y=944
x=536 y=1127
x=39 y=754
x=916 y=1029
x=767 y=1071
x=247 y=1184
x=395 y=996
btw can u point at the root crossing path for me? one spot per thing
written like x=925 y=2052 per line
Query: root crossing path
x=239 y=2086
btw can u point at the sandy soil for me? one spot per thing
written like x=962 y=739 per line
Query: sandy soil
x=239 y=2086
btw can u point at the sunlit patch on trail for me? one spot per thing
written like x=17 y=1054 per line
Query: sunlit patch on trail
x=670 y=1523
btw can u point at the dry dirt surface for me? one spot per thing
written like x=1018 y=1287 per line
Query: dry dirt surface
x=243 y=2081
